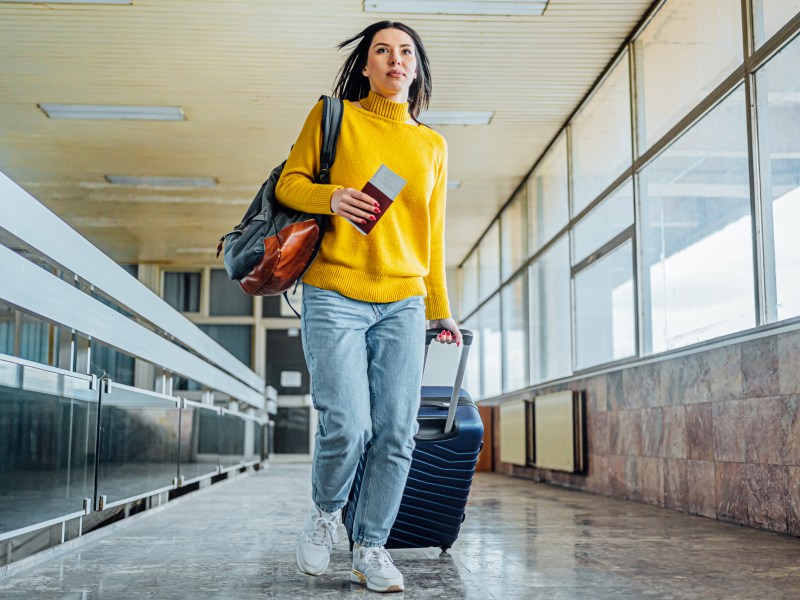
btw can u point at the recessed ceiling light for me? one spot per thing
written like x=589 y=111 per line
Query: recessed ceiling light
x=532 y=8
x=162 y=182
x=452 y=117
x=66 y=1
x=100 y=111
x=453 y=184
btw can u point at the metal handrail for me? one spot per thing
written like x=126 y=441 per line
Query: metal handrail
x=27 y=219
x=33 y=289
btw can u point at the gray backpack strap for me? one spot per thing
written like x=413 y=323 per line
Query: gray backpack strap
x=332 y=111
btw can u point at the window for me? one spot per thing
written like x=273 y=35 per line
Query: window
x=779 y=124
x=696 y=233
x=688 y=49
x=276 y=307
x=472 y=375
x=514 y=232
x=770 y=15
x=604 y=309
x=34 y=339
x=182 y=291
x=489 y=261
x=549 y=302
x=492 y=355
x=227 y=297
x=601 y=137
x=548 y=201
x=236 y=339
x=609 y=218
x=515 y=336
x=469 y=284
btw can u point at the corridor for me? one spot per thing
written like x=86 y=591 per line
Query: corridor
x=520 y=540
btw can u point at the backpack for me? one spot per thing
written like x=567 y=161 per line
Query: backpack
x=273 y=246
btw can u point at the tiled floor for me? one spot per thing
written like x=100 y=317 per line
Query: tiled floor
x=520 y=540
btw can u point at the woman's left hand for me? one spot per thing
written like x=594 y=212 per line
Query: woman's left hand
x=451 y=333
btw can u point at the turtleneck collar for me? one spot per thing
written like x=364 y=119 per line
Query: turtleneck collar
x=375 y=103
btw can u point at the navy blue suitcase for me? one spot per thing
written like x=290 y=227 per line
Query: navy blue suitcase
x=442 y=466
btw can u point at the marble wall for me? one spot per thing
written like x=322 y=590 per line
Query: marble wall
x=715 y=434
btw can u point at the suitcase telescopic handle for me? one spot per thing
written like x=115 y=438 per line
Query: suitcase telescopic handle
x=466 y=336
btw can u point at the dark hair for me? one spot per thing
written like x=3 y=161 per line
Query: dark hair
x=352 y=84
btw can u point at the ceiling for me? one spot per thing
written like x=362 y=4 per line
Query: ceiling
x=246 y=72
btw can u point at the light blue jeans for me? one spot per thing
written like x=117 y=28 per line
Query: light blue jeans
x=365 y=361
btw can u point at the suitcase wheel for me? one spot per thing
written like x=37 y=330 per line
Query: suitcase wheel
x=444 y=551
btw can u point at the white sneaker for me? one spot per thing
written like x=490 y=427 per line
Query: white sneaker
x=317 y=542
x=374 y=567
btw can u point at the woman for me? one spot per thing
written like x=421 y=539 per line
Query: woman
x=366 y=297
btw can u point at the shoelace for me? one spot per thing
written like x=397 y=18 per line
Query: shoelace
x=324 y=532
x=377 y=557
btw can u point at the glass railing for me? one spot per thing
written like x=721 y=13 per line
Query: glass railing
x=138 y=444
x=48 y=429
x=73 y=444
x=70 y=444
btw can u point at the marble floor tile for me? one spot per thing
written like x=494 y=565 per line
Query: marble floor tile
x=522 y=540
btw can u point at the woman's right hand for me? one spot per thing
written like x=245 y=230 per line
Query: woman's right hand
x=354 y=205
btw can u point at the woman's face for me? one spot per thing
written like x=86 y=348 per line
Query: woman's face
x=391 y=64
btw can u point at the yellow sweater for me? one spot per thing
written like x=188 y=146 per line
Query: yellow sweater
x=403 y=255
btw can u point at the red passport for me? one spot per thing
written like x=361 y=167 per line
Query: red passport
x=383 y=187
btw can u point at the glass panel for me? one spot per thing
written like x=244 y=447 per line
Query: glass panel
x=182 y=291
x=236 y=339
x=227 y=298
x=492 y=348
x=550 y=325
x=270 y=437
x=231 y=440
x=139 y=442
x=770 y=15
x=548 y=198
x=286 y=364
x=252 y=440
x=514 y=234
x=612 y=216
x=261 y=441
x=199 y=453
x=489 y=261
x=779 y=134
x=292 y=430
x=472 y=375
x=696 y=233
x=113 y=363
x=469 y=284
x=48 y=423
x=601 y=137
x=515 y=336
x=604 y=309
x=688 y=49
